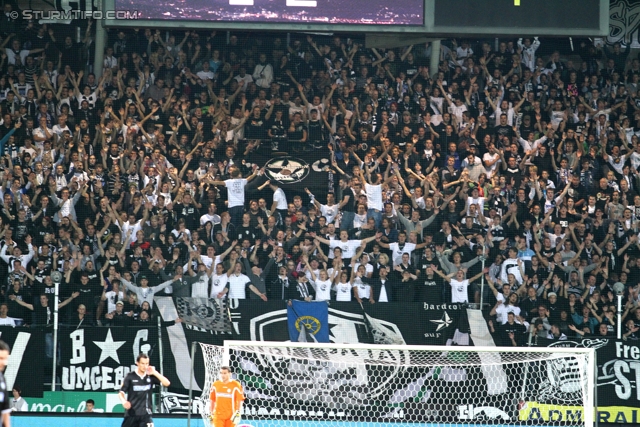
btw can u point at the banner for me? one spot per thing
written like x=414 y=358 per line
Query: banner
x=177 y=338
x=624 y=22
x=69 y=401
x=253 y=320
x=617 y=381
x=98 y=359
x=27 y=346
x=308 y=321
x=210 y=314
x=295 y=173
x=414 y=323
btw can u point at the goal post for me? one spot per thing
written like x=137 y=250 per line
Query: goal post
x=309 y=385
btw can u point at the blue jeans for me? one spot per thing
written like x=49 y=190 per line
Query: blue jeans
x=48 y=345
x=377 y=217
x=347 y=220
x=236 y=213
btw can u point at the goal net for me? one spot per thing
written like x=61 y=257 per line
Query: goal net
x=309 y=385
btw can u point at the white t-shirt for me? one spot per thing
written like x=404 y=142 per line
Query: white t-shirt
x=374 y=196
x=244 y=81
x=235 y=191
x=349 y=247
x=238 y=286
x=383 y=291
x=491 y=169
x=367 y=267
x=479 y=201
x=323 y=289
x=134 y=230
x=208 y=262
x=7 y=321
x=364 y=289
x=218 y=283
x=112 y=299
x=510 y=114
x=205 y=75
x=510 y=266
x=200 y=289
x=359 y=221
x=215 y=219
x=316 y=273
x=396 y=252
x=549 y=204
x=280 y=198
x=503 y=310
x=343 y=291
x=457 y=111
x=329 y=212
x=459 y=290
x=11 y=55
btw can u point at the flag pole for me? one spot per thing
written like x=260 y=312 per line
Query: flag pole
x=193 y=355
x=483 y=259
x=161 y=360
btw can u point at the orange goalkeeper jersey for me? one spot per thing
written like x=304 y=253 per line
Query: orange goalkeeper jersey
x=227 y=398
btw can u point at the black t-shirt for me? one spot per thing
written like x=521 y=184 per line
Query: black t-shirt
x=42 y=315
x=20 y=229
x=86 y=297
x=40 y=288
x=39 y=275
x=189 y=213
x=315 y=131
x=246 y=233
x=16 y=310
x=548 y=253
x=517 y=330
x=429 y=290
x=564 y=221
x=577 y=193
x=255 y=128
x=138 y=390
x=603 y=197
x=4 y=394
x=404 y=291
x=505 y=130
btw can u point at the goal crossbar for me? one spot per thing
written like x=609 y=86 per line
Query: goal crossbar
x=228 y=344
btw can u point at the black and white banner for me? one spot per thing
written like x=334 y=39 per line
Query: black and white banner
x=295 y=173
x=27 y=362
x=175 y=403
x=413 y=324
x=624 y=24
x=210 y=314
x=177 y=338
x=98 y=359
x=618 y=381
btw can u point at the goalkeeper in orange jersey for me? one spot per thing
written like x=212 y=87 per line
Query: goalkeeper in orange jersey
x=226 y=400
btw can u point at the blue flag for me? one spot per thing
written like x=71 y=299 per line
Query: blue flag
x=308 y=321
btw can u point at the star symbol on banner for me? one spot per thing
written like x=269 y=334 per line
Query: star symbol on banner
x=109 y=348
x=443 y=323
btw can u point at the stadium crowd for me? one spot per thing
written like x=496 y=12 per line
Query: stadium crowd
x=144 y=181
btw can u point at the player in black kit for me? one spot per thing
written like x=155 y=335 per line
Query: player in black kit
x=5 y=407
x=135 y=393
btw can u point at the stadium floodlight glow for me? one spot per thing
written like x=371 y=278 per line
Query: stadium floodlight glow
x=424 y=17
